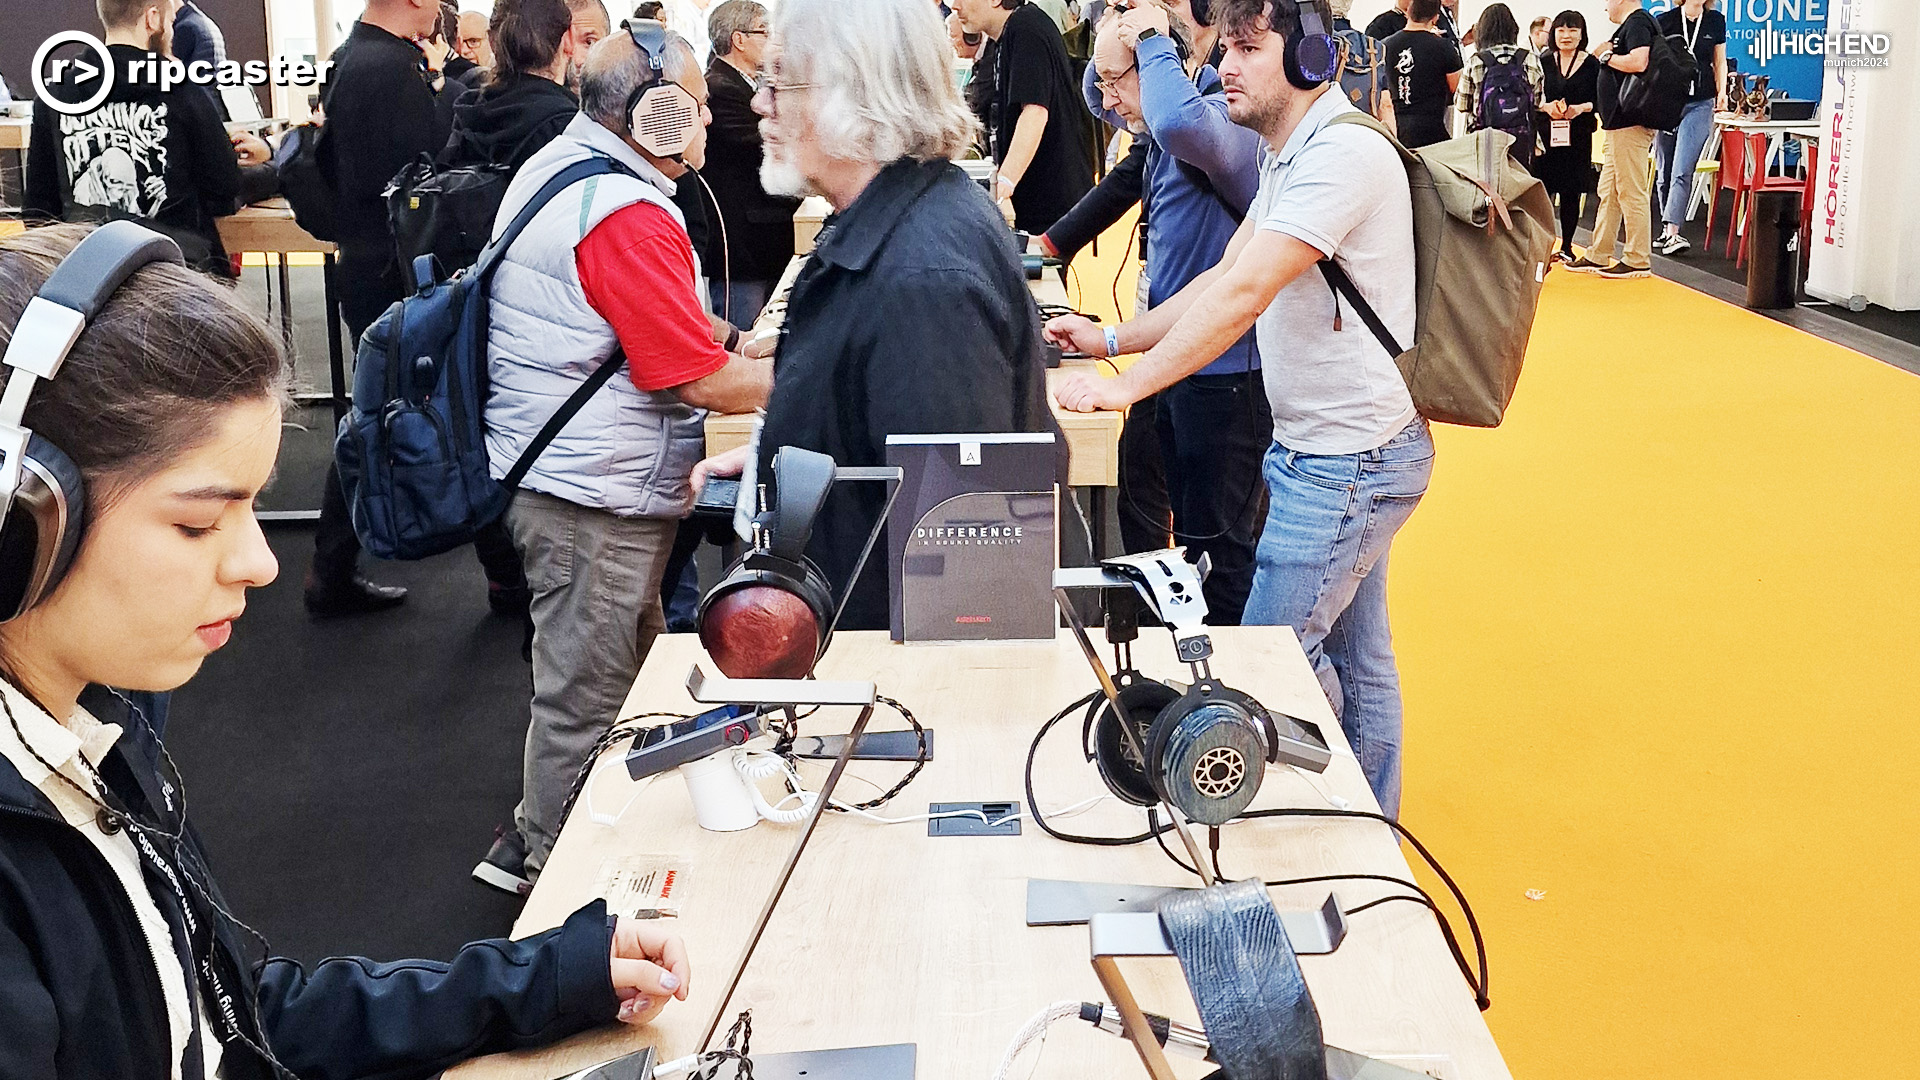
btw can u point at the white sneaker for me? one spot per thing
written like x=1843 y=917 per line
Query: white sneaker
x=1673 y=245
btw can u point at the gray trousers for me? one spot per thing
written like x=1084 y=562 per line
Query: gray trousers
x=596 y=610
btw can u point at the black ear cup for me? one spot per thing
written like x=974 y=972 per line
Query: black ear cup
x=768 y=618
x=1312 y=57
x=42 y=530
x=1211 y=754
x=1126 y=775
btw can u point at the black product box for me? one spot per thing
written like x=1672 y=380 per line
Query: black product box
x=972 y=537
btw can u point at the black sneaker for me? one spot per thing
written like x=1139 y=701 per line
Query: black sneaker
x=1584 y=265
x=1671 y=246
x=355 y=596
x=1621 y=271
x=505 y=867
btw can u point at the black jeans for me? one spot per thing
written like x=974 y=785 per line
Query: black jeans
x=336 y=550
x=1214 y=431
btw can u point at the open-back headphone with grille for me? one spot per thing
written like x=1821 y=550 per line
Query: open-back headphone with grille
x=42 y=499
x=661 y=116
x=1202 y=748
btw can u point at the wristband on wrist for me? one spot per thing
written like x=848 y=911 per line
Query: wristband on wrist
x=733 y=339
x=1113 y=342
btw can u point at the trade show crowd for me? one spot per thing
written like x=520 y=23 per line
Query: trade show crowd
x=1262 y=432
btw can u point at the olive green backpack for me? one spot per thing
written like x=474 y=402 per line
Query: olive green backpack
x=1483 y=232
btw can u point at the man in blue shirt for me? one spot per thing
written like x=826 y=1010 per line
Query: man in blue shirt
x=1201 y=173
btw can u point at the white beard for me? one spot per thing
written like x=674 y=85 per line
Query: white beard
x=778 y=176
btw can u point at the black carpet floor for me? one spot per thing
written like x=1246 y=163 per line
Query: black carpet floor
x=348 y=774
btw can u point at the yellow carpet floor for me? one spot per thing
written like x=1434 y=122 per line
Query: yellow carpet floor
x=1658 y=637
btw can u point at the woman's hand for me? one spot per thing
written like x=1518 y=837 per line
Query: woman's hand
x=649 y=966
x=731 y=463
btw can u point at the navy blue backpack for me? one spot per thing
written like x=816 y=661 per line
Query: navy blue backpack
x=412 y=452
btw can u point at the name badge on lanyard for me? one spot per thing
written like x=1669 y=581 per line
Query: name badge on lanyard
x=1560 y=133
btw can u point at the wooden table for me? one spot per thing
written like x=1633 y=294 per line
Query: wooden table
x=268 y=227
x=15 y=131
x=888 y=935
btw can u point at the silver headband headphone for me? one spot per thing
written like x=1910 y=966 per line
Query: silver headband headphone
x=42 y=499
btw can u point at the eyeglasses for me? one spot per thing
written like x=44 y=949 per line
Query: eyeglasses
x=774 y=90
x=1111 y=86
x=762 y=31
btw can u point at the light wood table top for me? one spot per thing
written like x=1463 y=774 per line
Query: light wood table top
x=887 y=935
x=268 y=226
x=15 y=132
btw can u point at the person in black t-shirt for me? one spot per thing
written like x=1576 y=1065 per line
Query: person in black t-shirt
x=1423 y=73
x=1624 y=186
x=1037 y=126
x=1394 y=19
x=161 y=157
x=1678 y=151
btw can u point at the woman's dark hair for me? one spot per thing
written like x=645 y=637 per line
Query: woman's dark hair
x=1571 y=18
x=526 y=35
x=1497 y=26
x=147 y=379
x=652 y=9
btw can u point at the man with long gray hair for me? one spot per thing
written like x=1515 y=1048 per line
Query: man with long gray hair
x=912 y=315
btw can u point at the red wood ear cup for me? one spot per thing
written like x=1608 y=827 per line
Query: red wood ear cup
x=761 y=632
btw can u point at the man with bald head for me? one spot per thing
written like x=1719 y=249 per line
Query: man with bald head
x=1210 y=428
x=604 y=267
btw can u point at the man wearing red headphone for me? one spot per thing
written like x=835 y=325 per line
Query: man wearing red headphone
x=604 y=265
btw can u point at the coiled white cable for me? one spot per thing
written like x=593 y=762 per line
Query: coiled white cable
x=1034 y=1029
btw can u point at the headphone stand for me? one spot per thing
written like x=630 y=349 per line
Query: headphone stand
x=1157 y=581
x=777 y=693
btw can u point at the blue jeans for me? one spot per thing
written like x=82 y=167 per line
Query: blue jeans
x=1321 y=568
x=1679 y=152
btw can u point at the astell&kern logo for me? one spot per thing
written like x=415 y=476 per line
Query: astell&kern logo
x=162 y=72
x=1840 y=48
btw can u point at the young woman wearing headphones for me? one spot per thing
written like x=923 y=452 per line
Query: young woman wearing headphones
x=141 y=413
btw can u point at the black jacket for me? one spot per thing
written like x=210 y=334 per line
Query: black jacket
x=506 y=123
x=912 y=316
x=162 y=159
x=382 y=114
x=79 y=996
x=759 y=226
x=1108 y=202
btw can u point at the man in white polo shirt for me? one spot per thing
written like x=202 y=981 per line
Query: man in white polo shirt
x=1350 y=456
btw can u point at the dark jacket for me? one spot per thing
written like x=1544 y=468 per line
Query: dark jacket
x=504 y=123
x=759 y=226
x=912 y=316
x=1107 y=203
x=197 y=37
x=162 y=159
x=382 y=114
x=79 y=996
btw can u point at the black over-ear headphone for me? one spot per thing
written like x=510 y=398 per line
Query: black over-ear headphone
x=42 y=500
x=1312 y=57
x=750 y=622
x=661 y=116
